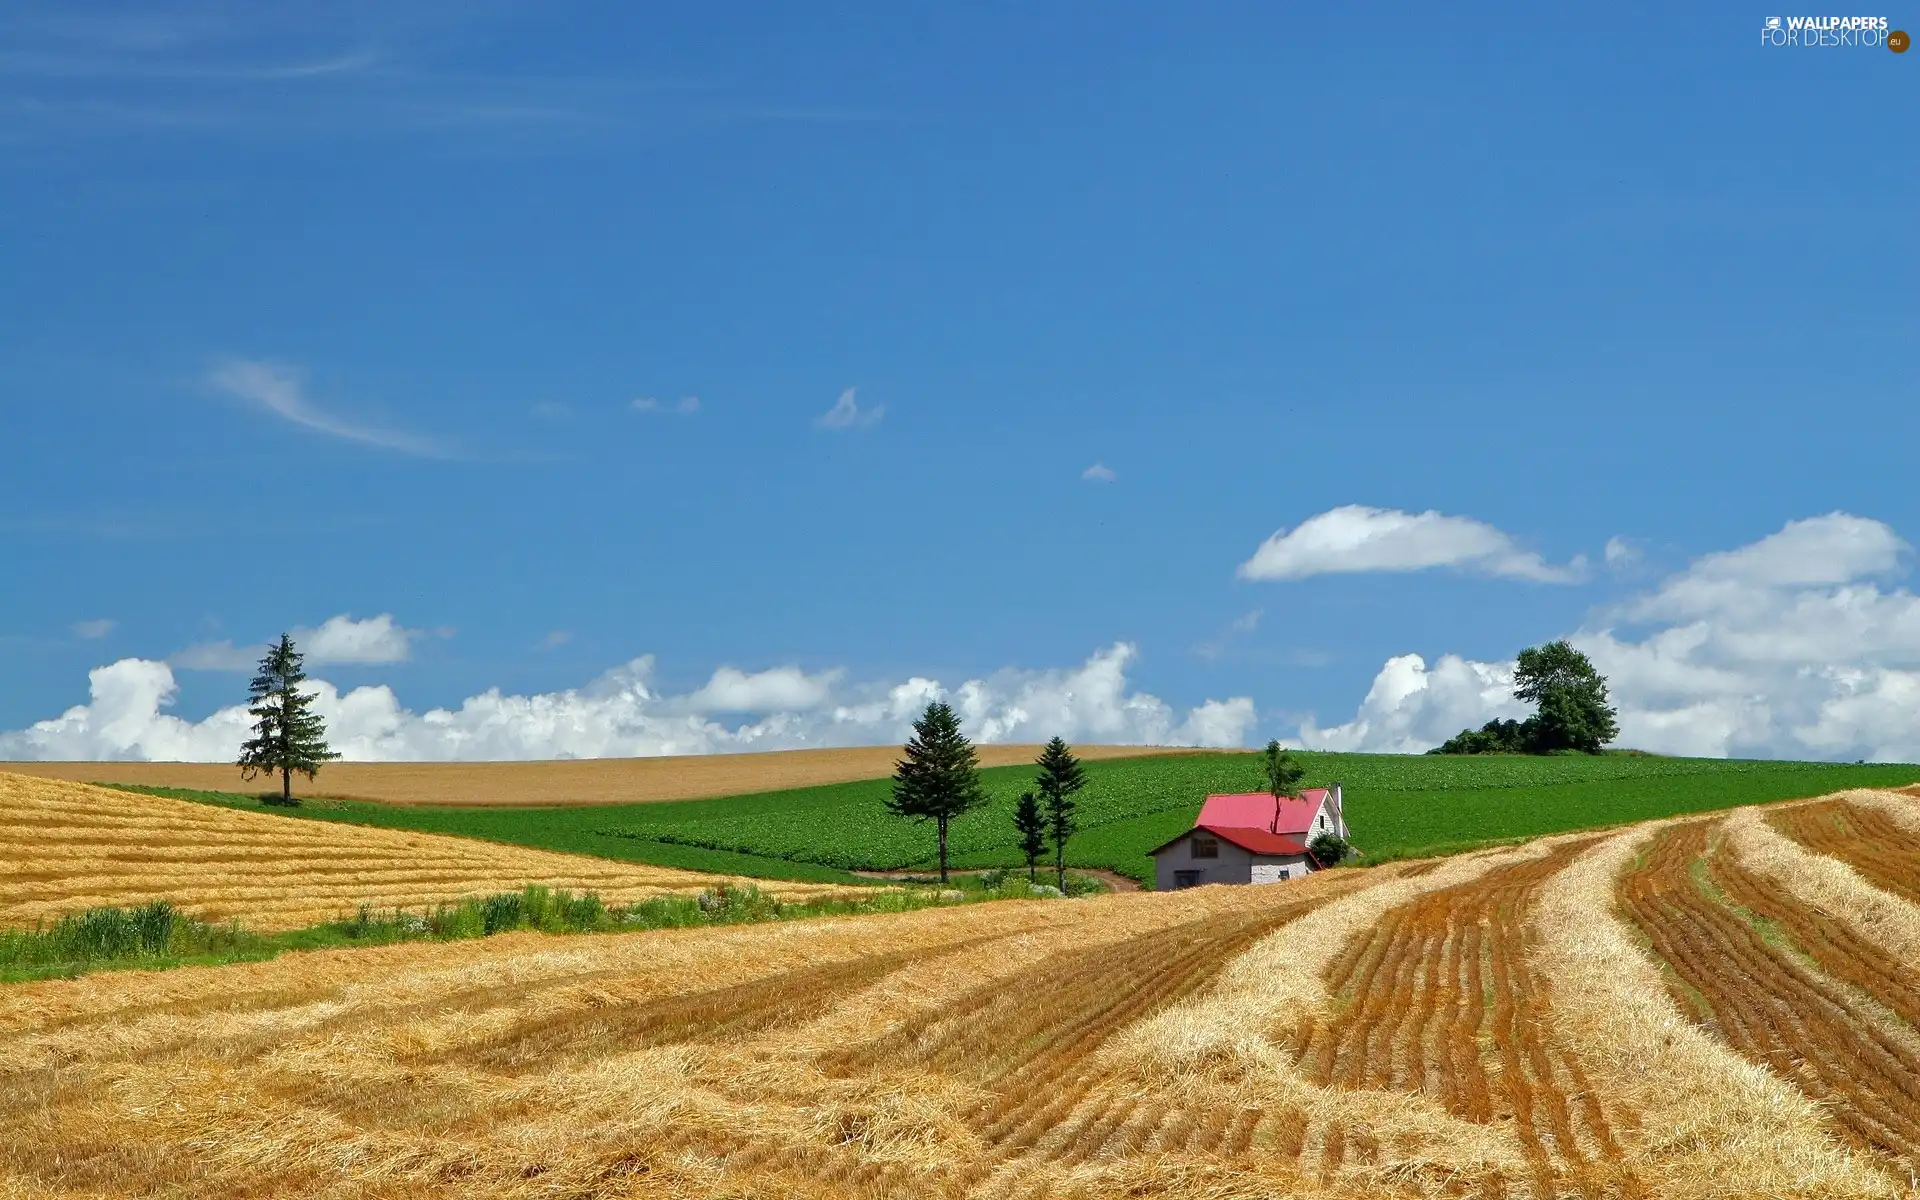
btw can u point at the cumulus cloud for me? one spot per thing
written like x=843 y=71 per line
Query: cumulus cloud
x=338 y=639
x=1354 y=538
x=1099 y=473
x=281 y=390
x=622 y=713
x=1784 y=648
x=685 y=406
x=847 y=414
x=93 y=630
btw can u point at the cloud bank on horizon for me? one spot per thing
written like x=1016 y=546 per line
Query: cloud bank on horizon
x=621 y=714
x=1784 y=648
x=1794 y=646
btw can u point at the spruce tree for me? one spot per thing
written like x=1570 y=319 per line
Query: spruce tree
x=938 y=775
x=287 y=735
x=1032 y=824
x=1061 y=775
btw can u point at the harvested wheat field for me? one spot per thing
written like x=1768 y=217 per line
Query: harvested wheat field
x=1715 y=1006
x=569 y=781
x=65 y=847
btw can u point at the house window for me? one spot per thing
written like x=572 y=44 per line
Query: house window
x=1186 y=879
x=1206 y=848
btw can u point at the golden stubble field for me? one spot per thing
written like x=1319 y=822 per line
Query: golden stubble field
x=65 y=847
x=1705 y=1007
x=571 y=781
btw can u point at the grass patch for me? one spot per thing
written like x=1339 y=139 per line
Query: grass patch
x=1399 y=806
x=158 y=935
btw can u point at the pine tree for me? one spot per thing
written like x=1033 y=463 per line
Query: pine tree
x=1283 y=773
x=1032 y=825
x=938 y=776
x=287 y=735
x=1061 y=775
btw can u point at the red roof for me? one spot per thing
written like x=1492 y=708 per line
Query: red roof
x=1259 y=841
x=1259 y=810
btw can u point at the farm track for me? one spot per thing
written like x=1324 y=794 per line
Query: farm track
x=1440 y=999
x=1806 y=1013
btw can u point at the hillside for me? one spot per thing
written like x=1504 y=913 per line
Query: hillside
x=1397 y=805
x=565 y=782
x=1482 y=1025
x=66 y=847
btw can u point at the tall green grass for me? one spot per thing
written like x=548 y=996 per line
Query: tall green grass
x=159 y=935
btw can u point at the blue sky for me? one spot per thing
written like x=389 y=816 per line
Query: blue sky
x=345 y=315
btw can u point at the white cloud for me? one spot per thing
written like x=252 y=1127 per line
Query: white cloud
x=1099 y=473
x=1621 y=554
x=1775 y=650
x=556 y=638
x=780 y=689
x=686 y=406
x=280 y=390
x=846 y=414
x=1410 y=709
x=92 y=630
x=550 y=410
x=1355 y=538
x=621 y=714
x=339 y=639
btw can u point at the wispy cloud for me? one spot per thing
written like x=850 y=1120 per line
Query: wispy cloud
x=281 y=390
x=1239 y=627
x=686 y=406
x=1099 y=473
x=550 y=410
x=846 y=413
x=555 y=639
x=94 y=630
x=338 y=639
x=354 y=69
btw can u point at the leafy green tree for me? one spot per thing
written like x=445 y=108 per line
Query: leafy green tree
x=1572 y=698
x=288 y=735
x=1284 y=772
x=1061 y=775
x=1328 y=849
x=1032 y=826
x=1572 y=714
x=938 y=775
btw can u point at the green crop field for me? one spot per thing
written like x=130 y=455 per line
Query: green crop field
x=1397 y=806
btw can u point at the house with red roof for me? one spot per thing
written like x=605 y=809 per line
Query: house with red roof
x=1250 y=837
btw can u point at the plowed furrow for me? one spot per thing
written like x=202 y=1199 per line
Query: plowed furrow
x=1881 y=849
x=1416 y=1017
x=1770 y=1007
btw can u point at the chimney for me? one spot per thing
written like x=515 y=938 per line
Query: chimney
x=1339 y=813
